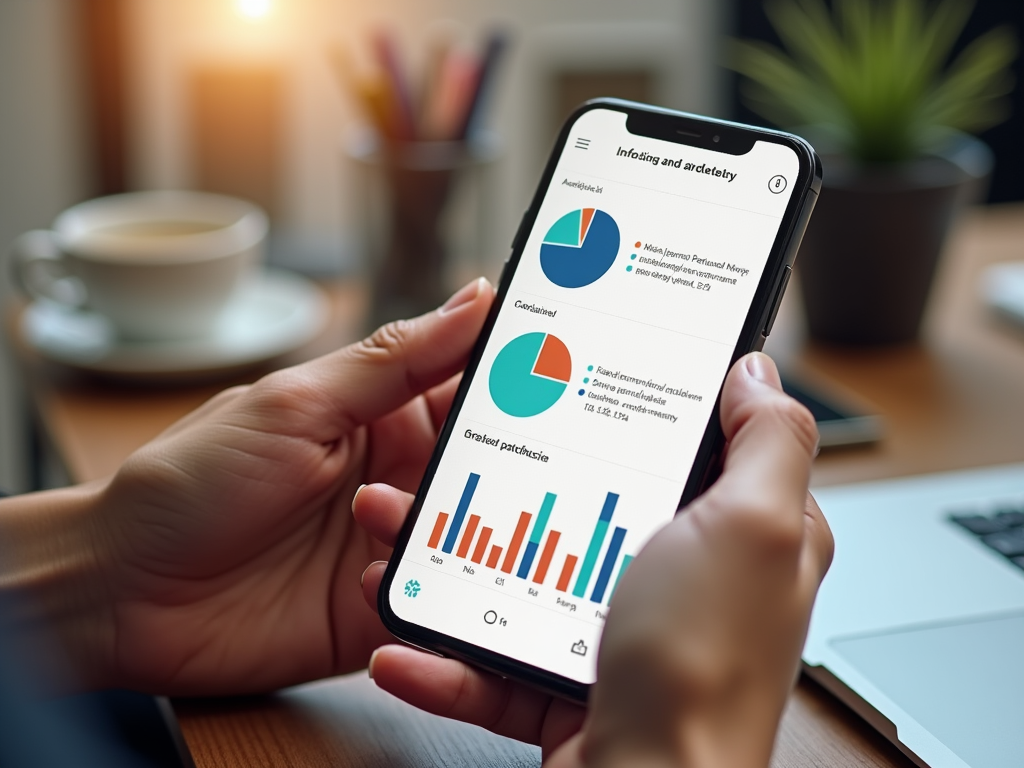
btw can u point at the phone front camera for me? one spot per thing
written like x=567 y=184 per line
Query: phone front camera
x=716 y=139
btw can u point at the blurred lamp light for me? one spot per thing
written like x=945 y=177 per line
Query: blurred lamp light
x=253 y=9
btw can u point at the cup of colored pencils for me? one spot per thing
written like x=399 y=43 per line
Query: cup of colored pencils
x=422 y=141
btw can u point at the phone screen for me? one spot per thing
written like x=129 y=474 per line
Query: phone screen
x=581 y=425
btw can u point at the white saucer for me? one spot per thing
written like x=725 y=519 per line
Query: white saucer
x=1002 y=288
x=273 y=313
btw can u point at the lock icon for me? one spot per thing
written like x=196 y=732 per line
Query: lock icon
x=579 y=648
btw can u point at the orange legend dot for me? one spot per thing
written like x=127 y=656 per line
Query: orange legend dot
x=637 y=245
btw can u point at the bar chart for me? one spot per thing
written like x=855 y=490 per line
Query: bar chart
x=532 y=548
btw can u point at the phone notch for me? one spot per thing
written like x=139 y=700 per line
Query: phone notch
x=706 y=134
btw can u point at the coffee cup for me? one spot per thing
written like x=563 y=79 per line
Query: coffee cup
x=158 y=265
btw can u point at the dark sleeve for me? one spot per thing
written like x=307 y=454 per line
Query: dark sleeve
x=57 y=732
x=119 y=729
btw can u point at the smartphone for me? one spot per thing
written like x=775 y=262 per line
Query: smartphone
x=653 y=255
x=841 y=418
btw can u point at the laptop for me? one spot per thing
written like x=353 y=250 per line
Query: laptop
x=919 y=624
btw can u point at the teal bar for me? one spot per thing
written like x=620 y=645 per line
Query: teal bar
x=590 y=560
x=596 y=542
x=542 y=518
x=625 y=564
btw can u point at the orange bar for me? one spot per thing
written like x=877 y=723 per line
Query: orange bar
x=481 y=545
x=517 y=541
x=467 y=536
x=492 y=559
x=567 y=569
x=545 y=557
x=435 y=535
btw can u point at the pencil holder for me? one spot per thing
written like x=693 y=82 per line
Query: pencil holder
x=423 y=211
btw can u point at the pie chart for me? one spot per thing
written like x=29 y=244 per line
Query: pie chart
x=579 y=248
x=529 y=374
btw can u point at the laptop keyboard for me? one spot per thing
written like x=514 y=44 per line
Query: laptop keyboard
x=1002 y=531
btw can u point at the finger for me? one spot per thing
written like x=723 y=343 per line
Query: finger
x=406 y=437
x=820 y=543
x=381 y=510
x=772 y=440
x=452 y=689
x=370 y=582
x=752 y=389
x=366 y=380
x=439 y=400
x=400 y=445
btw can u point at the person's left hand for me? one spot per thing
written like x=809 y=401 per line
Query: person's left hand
x=228 y=559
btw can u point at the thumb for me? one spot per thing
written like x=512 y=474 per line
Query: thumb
x=772 y=441
x=399 y=361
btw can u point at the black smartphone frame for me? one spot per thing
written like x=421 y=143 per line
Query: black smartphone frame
x=681 y=128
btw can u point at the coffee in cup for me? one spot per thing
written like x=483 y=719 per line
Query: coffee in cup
x=159 y=265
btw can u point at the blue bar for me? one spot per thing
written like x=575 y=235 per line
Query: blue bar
x=527 y=561
x=609 y=507
x=536 y=535
x=460 y=513
x=606 y=567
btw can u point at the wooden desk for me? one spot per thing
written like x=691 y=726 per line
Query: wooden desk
x=954 y=401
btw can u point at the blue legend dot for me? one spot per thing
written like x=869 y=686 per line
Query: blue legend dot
x=580 y=392
x=586 y=379
x=633 y=256
x=629 y=268
x=590 y=367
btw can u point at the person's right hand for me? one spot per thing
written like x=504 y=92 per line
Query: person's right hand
x=703 y=639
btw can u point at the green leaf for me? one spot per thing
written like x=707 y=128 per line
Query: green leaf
x=872 y=73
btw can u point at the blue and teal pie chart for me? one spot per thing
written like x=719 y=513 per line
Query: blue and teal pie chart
x=579 y=248
x=529 y=374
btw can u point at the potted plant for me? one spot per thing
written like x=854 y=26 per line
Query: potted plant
x=869 y=84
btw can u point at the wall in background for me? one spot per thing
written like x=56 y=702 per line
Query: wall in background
x=42 y=165
x=172 y=39
x=50 y=134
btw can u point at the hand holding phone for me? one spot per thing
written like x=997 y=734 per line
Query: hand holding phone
x=703 y=649
x=654 y=255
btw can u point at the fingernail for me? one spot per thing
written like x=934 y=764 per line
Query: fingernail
x=464 y=295
x=756 y=368
x=356 y=496
x=367 y=568
x=369 y=667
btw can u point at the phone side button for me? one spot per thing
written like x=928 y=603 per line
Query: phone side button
x=520 y=231
x=505 y=274
x=786 y=274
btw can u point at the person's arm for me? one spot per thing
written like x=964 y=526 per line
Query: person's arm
x=51 y=585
